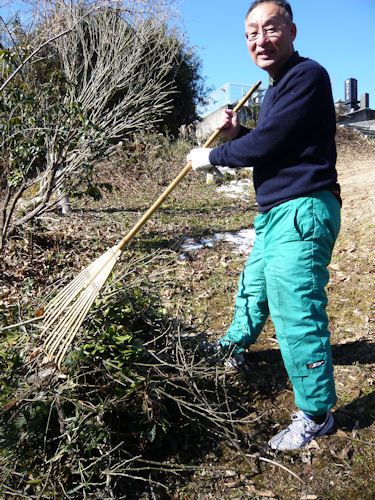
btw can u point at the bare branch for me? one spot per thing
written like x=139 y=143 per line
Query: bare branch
x=38 y=49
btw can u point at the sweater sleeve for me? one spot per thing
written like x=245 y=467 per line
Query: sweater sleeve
x=291 y=111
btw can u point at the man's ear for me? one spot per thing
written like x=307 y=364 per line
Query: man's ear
x=293 y=31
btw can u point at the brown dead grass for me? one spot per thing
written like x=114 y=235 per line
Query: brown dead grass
x=343 y=465
x=336 y=467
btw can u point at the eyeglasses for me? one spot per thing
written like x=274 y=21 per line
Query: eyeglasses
x=269 y=32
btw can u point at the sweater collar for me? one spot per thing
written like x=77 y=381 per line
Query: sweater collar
x=292 y=61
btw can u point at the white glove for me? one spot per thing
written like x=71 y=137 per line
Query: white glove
x=199 y=158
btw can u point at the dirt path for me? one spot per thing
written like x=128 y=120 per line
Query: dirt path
x=351 y=289
x=357 y=179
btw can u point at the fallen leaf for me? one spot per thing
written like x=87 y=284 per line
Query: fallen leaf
x=335 y=267
x=341 y=433
x=345 y=452
x=8 y=406
x=313 y=445
x=261 y=493
x=35 y=352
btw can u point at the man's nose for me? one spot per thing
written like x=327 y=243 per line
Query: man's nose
x=262 y=38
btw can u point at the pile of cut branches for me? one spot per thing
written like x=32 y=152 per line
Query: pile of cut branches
x=121 y=415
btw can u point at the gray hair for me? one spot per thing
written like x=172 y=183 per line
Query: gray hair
x=281 y=3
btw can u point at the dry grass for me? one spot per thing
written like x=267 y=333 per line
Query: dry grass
x=203 y=288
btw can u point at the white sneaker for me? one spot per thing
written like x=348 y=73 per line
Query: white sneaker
x=301 y=431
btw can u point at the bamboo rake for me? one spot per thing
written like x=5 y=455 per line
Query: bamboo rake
x=65 y=313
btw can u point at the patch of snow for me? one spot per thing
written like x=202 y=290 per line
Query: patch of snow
x=193 y=246
x=237 y=189
x=233 y=171
x=242 y=242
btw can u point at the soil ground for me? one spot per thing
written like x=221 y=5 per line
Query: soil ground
x=342 y=465
x=202 y=288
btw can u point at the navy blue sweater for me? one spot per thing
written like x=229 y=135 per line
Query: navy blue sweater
x=292 y=148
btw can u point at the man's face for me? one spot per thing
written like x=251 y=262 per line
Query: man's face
x=270 y=37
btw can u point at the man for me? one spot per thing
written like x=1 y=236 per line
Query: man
x=292 y=150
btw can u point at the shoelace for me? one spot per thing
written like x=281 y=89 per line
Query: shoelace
x=300 y=425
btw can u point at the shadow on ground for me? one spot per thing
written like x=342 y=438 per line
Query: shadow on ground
x=265 y=373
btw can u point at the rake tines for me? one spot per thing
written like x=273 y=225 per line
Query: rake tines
x=69 y=308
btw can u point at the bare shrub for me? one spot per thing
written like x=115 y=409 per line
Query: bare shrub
x=107 y=76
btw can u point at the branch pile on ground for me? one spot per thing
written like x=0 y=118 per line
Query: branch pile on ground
x=123 y=412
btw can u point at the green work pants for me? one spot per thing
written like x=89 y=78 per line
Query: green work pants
x=285 y=277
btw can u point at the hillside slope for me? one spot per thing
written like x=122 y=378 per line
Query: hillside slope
x=194 y=297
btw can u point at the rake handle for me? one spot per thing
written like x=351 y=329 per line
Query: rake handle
x=174 y=183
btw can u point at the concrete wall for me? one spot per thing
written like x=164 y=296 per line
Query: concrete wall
x=209 y=122
x=366 y=127
x=360 y=115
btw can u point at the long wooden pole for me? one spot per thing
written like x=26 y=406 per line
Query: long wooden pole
x=174 y=183
x=69 y=308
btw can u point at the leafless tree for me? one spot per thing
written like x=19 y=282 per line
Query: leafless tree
x=109 y=55
x=116 y=58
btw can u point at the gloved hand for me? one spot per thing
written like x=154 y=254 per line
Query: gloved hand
x=217 y=352
x=199 y=158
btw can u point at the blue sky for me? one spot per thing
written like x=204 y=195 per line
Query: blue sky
x=339 y=34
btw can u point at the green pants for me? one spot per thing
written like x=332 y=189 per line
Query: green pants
x=285 y=277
